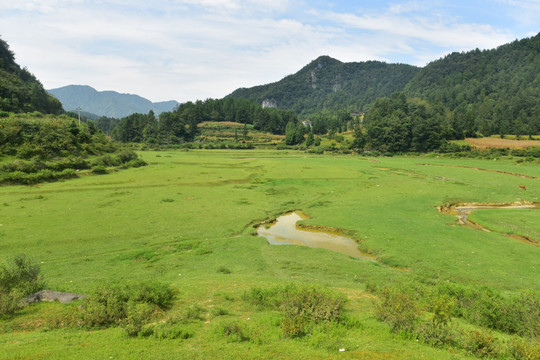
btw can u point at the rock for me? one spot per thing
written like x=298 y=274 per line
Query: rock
x=49 y=295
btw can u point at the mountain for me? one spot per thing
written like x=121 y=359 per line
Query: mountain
x=495 y=91
x=107 y=103
x=327 y=83
x=20 y=91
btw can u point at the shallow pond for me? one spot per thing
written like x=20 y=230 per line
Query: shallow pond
x=284 y=232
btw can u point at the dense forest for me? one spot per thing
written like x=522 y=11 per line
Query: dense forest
x=493 y=91
x=180 y=125
x=396 y=124
x=489 y=92
x=20 y=91
x=328 y=84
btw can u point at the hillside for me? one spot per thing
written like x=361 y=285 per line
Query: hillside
x=20 y=91
x=493 y=91
x=107 y=103
x=327 y=83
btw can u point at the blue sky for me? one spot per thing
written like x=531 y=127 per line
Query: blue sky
x=197 y=49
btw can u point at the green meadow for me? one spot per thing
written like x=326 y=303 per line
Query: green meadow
x=188 y=219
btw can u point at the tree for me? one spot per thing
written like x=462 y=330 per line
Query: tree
x=290 y=132
x=359 y=141
x=310 y=138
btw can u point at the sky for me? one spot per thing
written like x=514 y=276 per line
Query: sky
x=186 y=50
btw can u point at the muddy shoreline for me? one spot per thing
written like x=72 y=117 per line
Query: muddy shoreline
x=463 y=210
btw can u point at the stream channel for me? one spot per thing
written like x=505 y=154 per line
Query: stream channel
x=462 y=212
x=285 y=232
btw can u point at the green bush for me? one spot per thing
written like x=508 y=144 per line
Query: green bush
x=481 y=344
x=436 y=335
x=10 y=302
x=137 y=315
x=294 y=327
x=522 y=350
x=99 y=170
x=312 y=303
x=397 y=309
x=21 y=274
x=19 y=277
x=152 y=292
x=301 y=306
x=136 y=163
x=130 y=305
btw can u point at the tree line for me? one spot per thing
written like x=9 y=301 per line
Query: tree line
x=181 y=124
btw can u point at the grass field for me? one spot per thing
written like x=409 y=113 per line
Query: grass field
x=188 y=220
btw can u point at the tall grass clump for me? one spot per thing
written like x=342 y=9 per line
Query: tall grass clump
x=19 y=277
x=128 y=305
x=301 y=306
x=398 y=309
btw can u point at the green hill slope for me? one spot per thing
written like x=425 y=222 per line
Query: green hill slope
x=20 y=91
x=327 y=83
x=493 y=91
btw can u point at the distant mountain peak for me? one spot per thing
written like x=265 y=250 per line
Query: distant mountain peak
x=107 y=103
x=327 y=83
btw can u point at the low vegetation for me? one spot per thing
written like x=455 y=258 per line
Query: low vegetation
x=166 y=268
x=37 y=148
x=19 y=277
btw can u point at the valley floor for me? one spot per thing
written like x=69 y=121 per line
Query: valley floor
x=189 y=218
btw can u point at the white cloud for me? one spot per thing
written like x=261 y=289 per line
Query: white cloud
x=188 y=49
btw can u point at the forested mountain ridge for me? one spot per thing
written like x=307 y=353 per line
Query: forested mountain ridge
x=494 y=91
x=107 y=103
x=20 y=91
x=330 y=84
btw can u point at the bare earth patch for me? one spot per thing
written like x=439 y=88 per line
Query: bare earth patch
x=487 y=143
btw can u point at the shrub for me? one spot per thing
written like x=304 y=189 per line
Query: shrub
x=136 y=163
x=152 y=292
x=124 y=304
x=293 y=327
x=312 y=303
x=301 y=306
x=18 y=278
x=137 y=315
x=21 y=274
x=99 y=170
x=107 y=305
x=398 y=310
x=522 y=350
x=481 y=344
x=10 y=302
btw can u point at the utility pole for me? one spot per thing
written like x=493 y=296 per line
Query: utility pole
x=79 y=111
